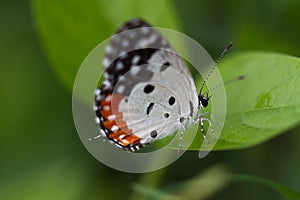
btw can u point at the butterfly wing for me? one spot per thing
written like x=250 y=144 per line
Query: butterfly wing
x=147 y=93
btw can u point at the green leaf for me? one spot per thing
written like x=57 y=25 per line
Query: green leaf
x=70 y=29
x=208 y=183
x=262 y=106
x=151 y=193
x=284 y=191
x=202 y=186
x=205 y=184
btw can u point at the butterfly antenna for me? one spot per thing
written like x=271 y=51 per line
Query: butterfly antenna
x=225 y=83
x=215 y=65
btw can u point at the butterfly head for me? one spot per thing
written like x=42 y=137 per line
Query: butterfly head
x=203 y=100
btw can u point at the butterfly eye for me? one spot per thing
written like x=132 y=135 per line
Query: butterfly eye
x=203 y=101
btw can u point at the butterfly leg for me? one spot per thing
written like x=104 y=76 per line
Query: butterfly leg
x=202 y=128
x=210 y=120
x=180 y=139
x=211 y=117
x=210 y=125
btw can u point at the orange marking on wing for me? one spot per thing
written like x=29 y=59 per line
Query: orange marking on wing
x=106 y=113
x=133 y=139
x=129 y=137
x=126 y=140
x=129 y=140
x=116 y=135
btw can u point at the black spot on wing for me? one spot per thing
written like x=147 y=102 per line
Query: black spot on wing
x=164 y=66
x=153 y=134
x=171 y=101
x=148 y=88
x=181 y=119
x=191 y=108
x=149 y=108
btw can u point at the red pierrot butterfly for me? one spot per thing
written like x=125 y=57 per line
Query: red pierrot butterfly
x=147 y=93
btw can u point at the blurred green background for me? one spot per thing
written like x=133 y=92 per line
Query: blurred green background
x=42 y=156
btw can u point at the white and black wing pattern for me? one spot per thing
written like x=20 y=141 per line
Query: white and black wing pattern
x=148 y=93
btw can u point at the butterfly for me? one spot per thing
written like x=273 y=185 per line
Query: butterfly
x=148 y=93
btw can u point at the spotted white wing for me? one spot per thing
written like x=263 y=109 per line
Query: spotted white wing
x=148 y=92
